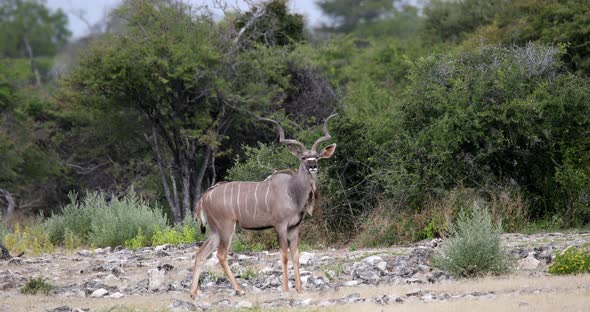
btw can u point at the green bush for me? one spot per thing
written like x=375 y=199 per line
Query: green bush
x=571 y=261
x=473 y=247
x=500 y=118
x=100 y=222
x=36 y=285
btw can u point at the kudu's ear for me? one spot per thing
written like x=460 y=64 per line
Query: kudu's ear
x=328 y=151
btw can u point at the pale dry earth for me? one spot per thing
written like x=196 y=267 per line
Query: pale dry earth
x=389 y=279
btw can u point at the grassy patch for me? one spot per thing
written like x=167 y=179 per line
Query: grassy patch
x=38 y=285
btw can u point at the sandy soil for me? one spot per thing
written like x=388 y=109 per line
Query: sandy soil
x=514 y=293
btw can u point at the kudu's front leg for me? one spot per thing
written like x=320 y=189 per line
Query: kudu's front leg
x=293 y=236
x=283 y=245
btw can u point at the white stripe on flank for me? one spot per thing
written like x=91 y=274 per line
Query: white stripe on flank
x=266 y=197
x=224 y=189
x=231 y=195
x=238 y=201
x=256 y=199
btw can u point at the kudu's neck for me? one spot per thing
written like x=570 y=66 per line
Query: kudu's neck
x=301 y=185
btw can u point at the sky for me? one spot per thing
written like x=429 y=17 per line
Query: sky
x=93 y=11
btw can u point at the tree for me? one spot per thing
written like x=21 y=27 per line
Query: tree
x=349 y=14
x=30 y=30
x=554 y=22
x=185 y=78
x=269 y=24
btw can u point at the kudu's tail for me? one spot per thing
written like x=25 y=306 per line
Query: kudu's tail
x=202 y=216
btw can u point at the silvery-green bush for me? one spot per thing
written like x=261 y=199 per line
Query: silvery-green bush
x=102 y=221
x=473 y=247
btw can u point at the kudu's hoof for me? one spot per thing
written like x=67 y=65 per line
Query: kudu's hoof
x=240 y=293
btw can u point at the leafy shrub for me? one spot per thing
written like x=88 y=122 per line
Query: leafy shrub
x=71 y=240
x=473 y=247
x=30 y=239
x=36 y=285
x=186 y=232
x=102 y=222
x=139 y=240
x=571 y=261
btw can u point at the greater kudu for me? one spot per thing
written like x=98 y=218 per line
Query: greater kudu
x=279 y=202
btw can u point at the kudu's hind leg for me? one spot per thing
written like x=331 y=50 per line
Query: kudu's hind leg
x=222 y=251
x=204 y=251
x=293 y=236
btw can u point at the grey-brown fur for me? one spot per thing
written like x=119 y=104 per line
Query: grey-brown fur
x=279 y=202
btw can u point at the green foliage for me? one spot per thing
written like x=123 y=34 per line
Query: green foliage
x=249 y=274
x=276 y=27
x=452 y=20
x=100 y=222
x=38 y=285
x=3 y=232
x=30 y=22
x=571 y=261
x=552 y=22
x=139 y=240
x=473 y=247
x=187 y=234
x=350 y=14
x=30 y=239
x=260 y=162
x=490 y=117
x=241 y=245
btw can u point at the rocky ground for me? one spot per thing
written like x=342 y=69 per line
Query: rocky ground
x=158 y=278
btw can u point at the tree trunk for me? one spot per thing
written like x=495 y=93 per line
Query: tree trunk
x=198 y=187
x=172 y=201
x=10 y=203
x=32 y=60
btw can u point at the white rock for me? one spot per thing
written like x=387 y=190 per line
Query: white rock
x=162 y=247
x=116 y=295
x=101 y=292
x=305 y=258
x=305 y=302
x=211 y=262
x=382 y=266
x=304 y=279
x=351 y=283
x=244 y=304
x=373 y=260
x=266 y=270
x=102 y=251
x=256 y=290
x=156 y=279
x=528 y=263
x=84 y=253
